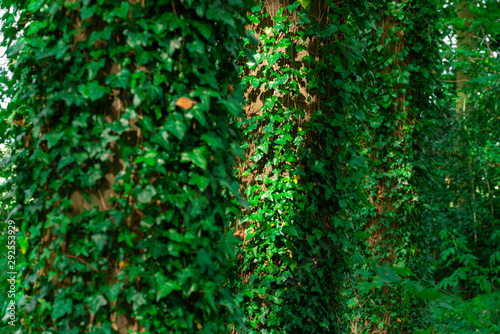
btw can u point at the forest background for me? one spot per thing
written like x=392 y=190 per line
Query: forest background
x=261 y=167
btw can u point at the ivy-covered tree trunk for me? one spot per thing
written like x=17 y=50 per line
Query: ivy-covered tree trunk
x=292 y=259
x=399 y=87
x=122 y=113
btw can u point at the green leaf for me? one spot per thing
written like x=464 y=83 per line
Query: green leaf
x=205 y=261
x=387 y=274
x=281 y=80
x=147 y=194
x=212 y=140
x=122 y=11
x=137 y=301
x=95 y=303
x=198 y=112
x=66 y=160
x=362 y=235
x=165 y=287
x=99 y=240
x=204 y=29
x=281 y=140
x=360 y=116
x=358 y=161
x=196 y=156
x=305 y=3
x=33 y=6
x=119 y=80
x=53 y=137
x=176 y=125
x=200 y=181
x=61 y=307
x=159 y=27
x=87 y=12
x=92 y=91
x=377 y=122
x=401 y=270
x=12 y=50
x=112 y=292
x=423 y=293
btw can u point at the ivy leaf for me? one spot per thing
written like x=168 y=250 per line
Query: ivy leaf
x=159 y=27
x=33 y=6
x=200 y=181
x=359 y=115
x=53 y=137
x=305 y=3
x=87 y=12
x=280 y=141
x=205 y=261
x=95 y=303
x=147 y=194
x=387 y=274
x=99 y=240
x=196 y=156
x=61 y=307
x=112 y=292
x=119 y=80
x=92 y=91
x=362 y=235
x=138 y=300
x=12 y=50
x=164 y=287
x=176 y=125
x=122 y=11
x=198 y=113
x=281 y=80
x=358 y=161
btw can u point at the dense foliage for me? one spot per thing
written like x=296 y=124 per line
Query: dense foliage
x=122 y=157
x=295 y=253
x=363 y=135
x=467 y=161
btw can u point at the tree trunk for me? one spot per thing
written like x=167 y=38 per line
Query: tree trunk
x=465 y=41
x=396 y=94
x=124 y=172
x=290 y=217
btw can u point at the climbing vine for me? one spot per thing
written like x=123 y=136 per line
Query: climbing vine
x=122 y=159
x=300 y=142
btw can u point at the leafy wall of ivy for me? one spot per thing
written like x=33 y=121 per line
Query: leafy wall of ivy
x=123 y=162
x=334 y=129
x=399 y=87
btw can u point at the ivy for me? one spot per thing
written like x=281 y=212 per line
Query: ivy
x=124 y=160
x=250 y=166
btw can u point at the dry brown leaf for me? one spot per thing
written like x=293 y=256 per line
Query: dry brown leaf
x=185 y=103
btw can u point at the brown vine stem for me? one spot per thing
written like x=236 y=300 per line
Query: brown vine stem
x=102 y=200
x=175 y=10
x=82 y=261
x=487 y=44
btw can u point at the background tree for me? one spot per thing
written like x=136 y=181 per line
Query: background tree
x=467 y=167
x=398 y=89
